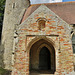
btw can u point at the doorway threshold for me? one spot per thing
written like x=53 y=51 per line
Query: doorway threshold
x=41 y=72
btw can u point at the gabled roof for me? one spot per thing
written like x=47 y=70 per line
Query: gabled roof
x=65 y=10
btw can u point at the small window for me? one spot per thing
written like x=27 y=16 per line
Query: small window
x=41 y=24
x=73 y=43
x=13 y=6
x=73 y=48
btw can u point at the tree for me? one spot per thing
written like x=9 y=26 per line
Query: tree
x=2 y=6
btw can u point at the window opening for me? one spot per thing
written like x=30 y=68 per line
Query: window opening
x=13 y=6
x=73 y=43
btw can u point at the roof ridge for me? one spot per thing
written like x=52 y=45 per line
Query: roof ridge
x=68 y=7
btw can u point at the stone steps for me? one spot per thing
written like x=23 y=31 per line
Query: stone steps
x=41 y=73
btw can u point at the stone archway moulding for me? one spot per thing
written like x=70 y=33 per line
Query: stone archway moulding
x=37 y=38
x=52 y=39
x=41 y=46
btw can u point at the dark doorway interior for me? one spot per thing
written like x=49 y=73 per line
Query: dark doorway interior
x=44 y=59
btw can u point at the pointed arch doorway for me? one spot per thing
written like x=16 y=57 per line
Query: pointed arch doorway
x=42 y=58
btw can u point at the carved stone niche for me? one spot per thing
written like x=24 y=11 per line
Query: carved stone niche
x=41 y=23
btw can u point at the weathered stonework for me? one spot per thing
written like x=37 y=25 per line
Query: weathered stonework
x=12 y=18
x=23 y=38
x=56 y=32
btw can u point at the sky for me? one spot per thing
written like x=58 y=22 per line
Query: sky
x=67 y=0
x=45 y=1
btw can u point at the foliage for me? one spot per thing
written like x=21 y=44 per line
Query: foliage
x=2 y=6
x=4 y=71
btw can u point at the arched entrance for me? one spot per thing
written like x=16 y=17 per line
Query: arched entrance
x=42 y=58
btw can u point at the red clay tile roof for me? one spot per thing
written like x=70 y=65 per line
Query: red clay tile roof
x=65 y=10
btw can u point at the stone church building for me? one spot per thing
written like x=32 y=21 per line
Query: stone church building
x=39 y=39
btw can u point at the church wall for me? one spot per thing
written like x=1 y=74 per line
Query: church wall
x=14 y=11
x=56 y=30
